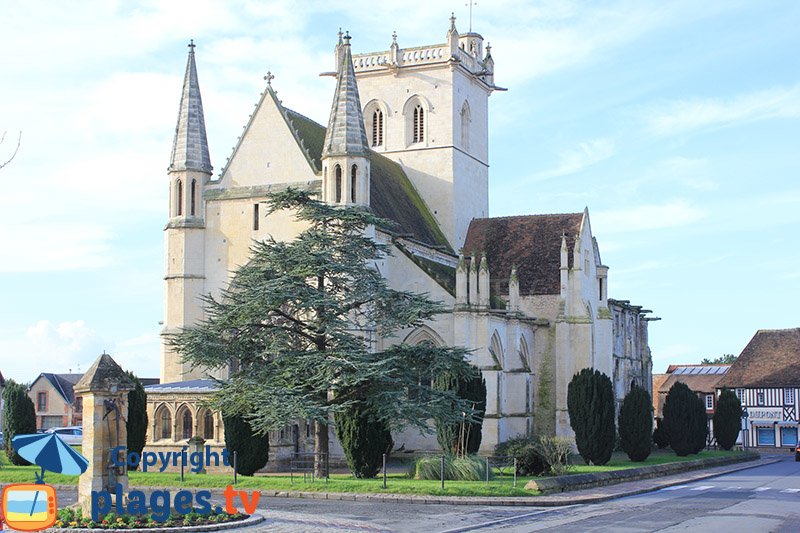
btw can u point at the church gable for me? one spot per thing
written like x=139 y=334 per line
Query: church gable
x=532 y=243
x=271 y=149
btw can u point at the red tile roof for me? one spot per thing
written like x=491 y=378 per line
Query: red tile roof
x=532 y=243
x=770 y=359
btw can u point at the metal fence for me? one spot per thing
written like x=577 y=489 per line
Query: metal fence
x=306 y=464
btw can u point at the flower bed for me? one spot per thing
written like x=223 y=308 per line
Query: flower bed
x=74 y=519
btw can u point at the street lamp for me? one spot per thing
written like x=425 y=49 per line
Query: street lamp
x=745 y=434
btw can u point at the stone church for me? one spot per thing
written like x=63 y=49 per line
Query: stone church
x=408 y=138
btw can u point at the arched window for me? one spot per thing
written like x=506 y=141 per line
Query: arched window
x=208 y=425
x=338 y=184
x=418 y=131
x=496 y=349
x=164 y=419
x=192 y=197
x=377 y=128
x=353 y=183
x=186 y=424
x=179 y=196
x=465 y=121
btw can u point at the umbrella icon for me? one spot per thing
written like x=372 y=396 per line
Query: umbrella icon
x=49 y=452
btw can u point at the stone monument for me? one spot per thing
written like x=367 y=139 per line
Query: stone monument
x=104 y=388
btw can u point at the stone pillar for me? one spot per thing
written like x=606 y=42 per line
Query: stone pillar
x=104 y=388
x=197 y=445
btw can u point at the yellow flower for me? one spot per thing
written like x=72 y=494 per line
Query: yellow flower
x=73 y=523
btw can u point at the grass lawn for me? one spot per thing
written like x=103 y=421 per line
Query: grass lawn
x=397 y=483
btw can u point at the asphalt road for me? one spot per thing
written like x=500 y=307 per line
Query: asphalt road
x=757 y=500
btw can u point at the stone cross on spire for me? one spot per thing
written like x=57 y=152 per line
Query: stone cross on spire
x=345 y=134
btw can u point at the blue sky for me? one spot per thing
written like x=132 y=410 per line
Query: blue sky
x=677 y=123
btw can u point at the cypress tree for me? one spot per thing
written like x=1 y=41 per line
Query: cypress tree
x=363 y=439
x=137 y=416
x=590 y=401
x=679 y=419
x=19 y=418
x=252 y=451
x=463 y=438
x=660 y=436
x=700 y=419
x=636 y=424
x=727 y=419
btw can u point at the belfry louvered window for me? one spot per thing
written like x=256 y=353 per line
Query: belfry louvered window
x=338 y=172
x=179 y=198
x=353 y=183
x=377 y=128
x=418 y=135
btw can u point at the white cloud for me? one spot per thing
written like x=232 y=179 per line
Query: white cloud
x=681 y=116
x=584 y=155
x=645 y=217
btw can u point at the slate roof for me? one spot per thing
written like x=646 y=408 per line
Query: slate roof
x=531 y=242
x=192 y=385
x=190 y=146
x=62 y=383
x=770 y=359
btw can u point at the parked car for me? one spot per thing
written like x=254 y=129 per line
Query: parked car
x=71 y=435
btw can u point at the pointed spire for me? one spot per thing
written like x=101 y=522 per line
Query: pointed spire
x=345 y=134
x=190 y=147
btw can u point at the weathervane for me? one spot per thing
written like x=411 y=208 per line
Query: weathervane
x=470 y=4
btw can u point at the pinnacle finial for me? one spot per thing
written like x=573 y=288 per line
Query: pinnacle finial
x=340 y=35
x=269 y=77
x=394 y=37
x=347 y=38
x=191 y=46
x=452 y=21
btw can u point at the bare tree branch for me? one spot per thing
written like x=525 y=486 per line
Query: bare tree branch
x=19 y=140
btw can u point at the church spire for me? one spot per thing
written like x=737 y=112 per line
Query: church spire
x=345 y=134
x=190 y=147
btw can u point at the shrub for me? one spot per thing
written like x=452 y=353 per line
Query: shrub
x=700 y=424
x=660 y=436
x=529 y=460
x=19 y=418
x=363 y=439
x=469 y=468
x=555 y=451
x=680 y=419
x=727 y=419
x=252 y=451
x=464 y=438
x=636 y=424
x=590 y=401
x=136 y=424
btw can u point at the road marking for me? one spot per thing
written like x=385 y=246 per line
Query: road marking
x=703 y=487
x=762 y=489
x=676 y=487
x=733 y=488
x=791 y=491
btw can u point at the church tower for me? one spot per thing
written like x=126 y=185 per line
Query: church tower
x=345 y=152
x=189 y=171
x=426 y=107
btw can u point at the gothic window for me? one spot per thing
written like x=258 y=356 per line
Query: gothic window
x=164 y=419
x=179 y=196
x=255 y=216
x=377 y=128
x=186 y=424
x=192 y=197
x=338 y=172
x=208 y=425
x=418 y=129
x=353 y=183
x=465 y=121
x=496 y=349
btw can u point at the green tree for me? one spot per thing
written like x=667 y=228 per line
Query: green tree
x=660 y=437
x=636 y=424
x=464 y=437
x=252 y=450
x=700 y=424
x=680 y=419
x=725 y=359
x=19 y=418
x=590 y=401
x=136 y=424
x=298 y=324
x=363 y=439
x=727 y=419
